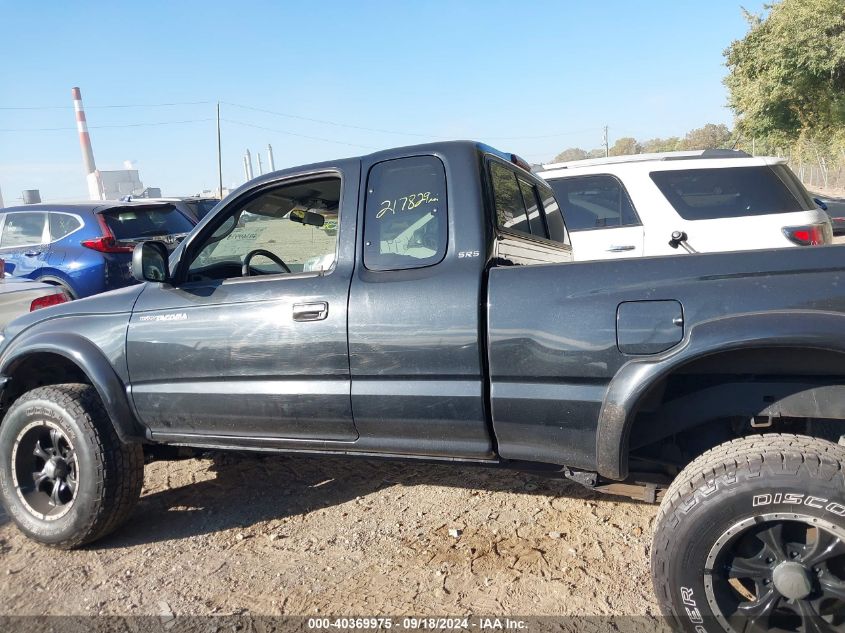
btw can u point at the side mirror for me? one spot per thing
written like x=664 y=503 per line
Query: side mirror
x=307 y=218
x=820 y=204
x=149 y=262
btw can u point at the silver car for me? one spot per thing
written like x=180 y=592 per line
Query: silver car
x=19 y=296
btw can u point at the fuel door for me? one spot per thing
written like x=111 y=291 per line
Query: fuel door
x=649 y=327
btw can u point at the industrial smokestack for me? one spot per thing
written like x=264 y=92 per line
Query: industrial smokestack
x=82 y=128
x=31 y=196
x=246 y=169
x=260 y=166
x=248 y=159
x=271 y=164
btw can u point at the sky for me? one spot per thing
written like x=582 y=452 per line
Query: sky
x=332 y=79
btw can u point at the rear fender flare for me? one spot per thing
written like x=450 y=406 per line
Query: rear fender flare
x=93 y=363
x=791 y=328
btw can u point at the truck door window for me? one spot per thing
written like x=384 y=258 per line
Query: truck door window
x=594 y=202
x=295 y=223
x=405 y=223
x=510 y=207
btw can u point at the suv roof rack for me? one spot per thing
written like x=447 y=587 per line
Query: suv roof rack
x=712 y=153
x=638 y=158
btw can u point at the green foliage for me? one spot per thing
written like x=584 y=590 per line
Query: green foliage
x=624 y=146
x=654 y=145
x=711 y=136
x=787 y=75
x=573 y=153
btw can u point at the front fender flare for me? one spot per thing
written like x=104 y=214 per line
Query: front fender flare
x=789 y=328
x=88 y=358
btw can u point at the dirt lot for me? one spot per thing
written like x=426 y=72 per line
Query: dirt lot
x=345 y=536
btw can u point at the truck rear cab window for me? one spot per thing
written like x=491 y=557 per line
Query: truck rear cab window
x=728 y=192
x=524 y=207
x=533 y=209
x=510 y=206
x=554 y=218
x=594 y=202
x=405 y=223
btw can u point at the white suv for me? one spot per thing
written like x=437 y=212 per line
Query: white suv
x=702 y=201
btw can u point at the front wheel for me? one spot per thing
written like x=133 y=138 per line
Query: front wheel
x=751 y=537
x=66 y=479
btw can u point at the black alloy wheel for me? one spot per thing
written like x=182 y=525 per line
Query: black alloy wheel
x=778 y=572
x=46 y=469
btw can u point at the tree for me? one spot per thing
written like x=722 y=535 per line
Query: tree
x=787 y=75
x=573 y=153
x=661 y=144
x=596 y=153
x=624 y=146
x=711 y=136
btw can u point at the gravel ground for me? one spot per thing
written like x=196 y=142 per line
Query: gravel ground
x=241 y=534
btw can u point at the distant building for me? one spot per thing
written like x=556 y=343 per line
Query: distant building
x=112 y=185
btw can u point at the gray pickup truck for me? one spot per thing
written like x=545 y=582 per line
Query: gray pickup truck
x=420 y=302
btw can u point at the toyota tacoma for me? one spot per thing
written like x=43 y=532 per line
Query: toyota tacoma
x=421 y=303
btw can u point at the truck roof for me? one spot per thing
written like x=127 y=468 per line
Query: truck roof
x=444 y=146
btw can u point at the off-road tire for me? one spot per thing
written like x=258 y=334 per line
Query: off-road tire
x=110 y=472
x=747 y=478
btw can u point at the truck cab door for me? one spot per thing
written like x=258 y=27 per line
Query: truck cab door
x=418 y=384
x=24 y=242
x=248 y=343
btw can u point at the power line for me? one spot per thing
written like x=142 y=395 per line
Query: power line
x=313 y=138
x=99 y=127
x=120 y=105
x=396 y=132
x=288 y=115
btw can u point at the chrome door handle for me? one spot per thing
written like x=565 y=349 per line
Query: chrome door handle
x=619 y=249
x=32 y=253
x=317 y=311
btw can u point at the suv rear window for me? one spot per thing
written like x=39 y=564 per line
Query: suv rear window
x=730 y=192
x=200 y=208
x=130 y=223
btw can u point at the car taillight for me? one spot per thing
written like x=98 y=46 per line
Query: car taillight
x=49 y=300
x=107 y=243
x=809 y=235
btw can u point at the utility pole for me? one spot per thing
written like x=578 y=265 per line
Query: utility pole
x=604 y=141
x=219 y=156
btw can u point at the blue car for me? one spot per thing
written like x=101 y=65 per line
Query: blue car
x=85 y=248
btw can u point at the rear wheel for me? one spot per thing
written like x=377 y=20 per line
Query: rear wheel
x=751 y=537
x=66 y=479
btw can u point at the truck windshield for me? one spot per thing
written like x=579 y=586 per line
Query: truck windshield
x=731 y=192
